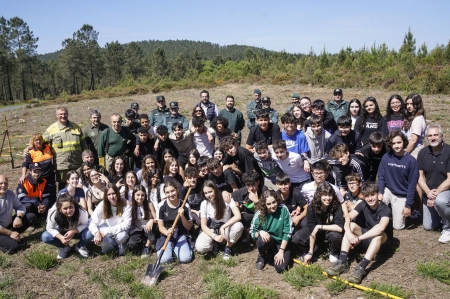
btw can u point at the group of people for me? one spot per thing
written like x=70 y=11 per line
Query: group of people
x=339 y=174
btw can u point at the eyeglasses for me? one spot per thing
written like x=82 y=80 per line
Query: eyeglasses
x=318 y=174
x=95 y=175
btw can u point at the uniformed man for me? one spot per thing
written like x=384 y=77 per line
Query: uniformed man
x=273 y=114
x=253 y=106
x=338 y=107
x=210 y=109
x=158 y=115
x=135 y=107
x=68 y=142
x=92 y=133
x=295 y=99
x=175 y=117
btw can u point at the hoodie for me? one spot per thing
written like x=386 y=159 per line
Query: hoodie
x=316 y=144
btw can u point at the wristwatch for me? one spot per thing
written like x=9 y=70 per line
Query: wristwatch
x=20 y=216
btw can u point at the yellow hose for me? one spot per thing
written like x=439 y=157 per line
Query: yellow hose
x=356 y=286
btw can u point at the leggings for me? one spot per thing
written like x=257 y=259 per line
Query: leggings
x=273 y=247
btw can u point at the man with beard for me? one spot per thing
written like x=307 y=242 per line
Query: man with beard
x=236 y=121
x=252 y=107
x=92 y=133
x=209 y=108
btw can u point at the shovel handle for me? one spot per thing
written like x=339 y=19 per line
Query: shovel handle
x=176 y=219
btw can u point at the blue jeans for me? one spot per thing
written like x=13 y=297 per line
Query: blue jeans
x=85 y=237
x=182 y=250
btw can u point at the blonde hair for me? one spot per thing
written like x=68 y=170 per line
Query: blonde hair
x=35 y=137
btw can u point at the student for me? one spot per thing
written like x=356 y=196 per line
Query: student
x=325 y=223
x=220 y=127
x=149 y=162
x=156 y=191
x=293 y=199
x=183 y=141
x=370 y=121
x=203 y=137
x=414 y=124
x=317 y=138
x=96 y=193
x=111 y=221
x=166 y=155
x=218 y=153
x=374 y=236
x=141 y=234
x=237 y=158
x=66 y=221
x=126 y=191
x=372 y=153
x=194 y=155
x=117 y=171
x=305 y=105
x=264 y=131
x=353 y=196
x=195 y=198
x=354 y=110
x=318 y=108
x=297 y=112
x=144 y=147
x=397 y=178
x=84 y=175
x=294 y=165
x=203 y=168
x=162 y=143
x=295 y=139
x=267 y=164
x=347 y=164
x=393 y=120
x=225 y=180
x=220 y=221
x=171 y=174
x=345 y=135
x=72 y=188
x=272 y=229
x=168 y=211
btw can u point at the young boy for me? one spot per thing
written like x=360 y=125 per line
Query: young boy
x=375 y=235
x=346 y=135
x=203 y=137
x=144 y=146
x=292 y=164
x=347 y=164
x=237 y=158
x=264 y=131
x=267 y=164
x=295 y=139
x=163 y=142
x=373 y=152
x=353 y=196
x=225 y=180
x=183 y=142
x=202 y=167
x=317 y=138
x=318 y=108
x=195 y=198
x=145 y=123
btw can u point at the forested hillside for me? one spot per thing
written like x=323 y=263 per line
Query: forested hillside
x=85 y=69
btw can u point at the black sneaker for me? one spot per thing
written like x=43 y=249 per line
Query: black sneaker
x=338 y=268
x=260 y=262
x=357 y=275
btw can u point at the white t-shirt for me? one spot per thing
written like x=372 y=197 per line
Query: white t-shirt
x=207 y=210
x=292 y=166
x=308 y=191
x=418 y=127
x=201 y=143
x=154 y=199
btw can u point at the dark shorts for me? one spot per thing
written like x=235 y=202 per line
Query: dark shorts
x=385 y=247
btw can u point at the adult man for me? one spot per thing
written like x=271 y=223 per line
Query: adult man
x=92 y=133
x=68 y=142
x=11 y=226
x=175 y=117
x=338 y=107
x=252 y=107
x=295 y=99
x=158 y=115
x=434 y=179
x=236 y=121
x=135 y=107
x=209 y=108
x=273 y=114
x=113 y=141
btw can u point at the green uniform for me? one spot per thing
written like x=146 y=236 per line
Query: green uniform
x=157 y=116
x=252 y=107
x=117 y=142
x=278 y=224
x=170 y=120
x=337 y=110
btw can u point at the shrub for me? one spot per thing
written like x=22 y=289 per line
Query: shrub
x=40 y=259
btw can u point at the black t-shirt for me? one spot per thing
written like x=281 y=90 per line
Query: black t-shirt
x=269 y=136
x=372 y=160
x=368 y=128
x=435 y=168
x=144 y=149
x=195 y=197
x=244 y=160
x=177 y=179
x=224 y=181
x=168 y=215
x=372 y=218
x=241 y=196
x=350 y=198
x=294 y=200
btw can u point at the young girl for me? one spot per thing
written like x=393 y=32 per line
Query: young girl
x=354 y=111
x=168 y=211
x=117 y=171
x=272 y=229
x=218 y=153
x=141 y=235
x=126 y=191
x=72 y=189
x=85 y=181
x=414 y=123
x=370 y=121
x=166 y=154
x=111 y=221
x=148 y=163
x=218 y=225
x=305 y=105
x=96 y=193
x=325 y=222
x=67 y=221
x=298 y=114
x=156 y=191
x=171 y=173
x=194 y=155
x=393 y=120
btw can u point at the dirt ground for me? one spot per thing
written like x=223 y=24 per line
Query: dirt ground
x=72 y=278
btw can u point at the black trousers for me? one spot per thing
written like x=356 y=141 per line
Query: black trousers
x=334 y=239
x=273 y=247
x=8 y=244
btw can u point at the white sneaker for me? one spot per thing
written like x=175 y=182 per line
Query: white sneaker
x=333 y=259
x=82 y=251
x=63 y=252
x=145 y=253
x=121 y=250
x=445 y=237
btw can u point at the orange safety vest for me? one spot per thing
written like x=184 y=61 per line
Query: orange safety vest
x=44 y=155
x=32 y=191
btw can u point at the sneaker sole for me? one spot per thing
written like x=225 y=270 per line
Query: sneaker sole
x=332 y=274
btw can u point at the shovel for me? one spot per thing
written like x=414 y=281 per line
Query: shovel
x=154 y=270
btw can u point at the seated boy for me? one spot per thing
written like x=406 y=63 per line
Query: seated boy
x=353 y=196
x=375 y=235
x=237 y=158
x=264 y=131
x=372 y=153
x=163 y=142
x=183 y=142
x=347 y=164
x=203 y=137
x=295 y=139
x=203 y=167
x=346 y=135
x=293 y=199
x=317 y=138
x=144 y=146
x=225 y=180
x=268 y=165
x=195 y=197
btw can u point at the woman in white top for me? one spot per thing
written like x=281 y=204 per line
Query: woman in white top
x=220 y=221
x=414 y=124
x=126 y=191
x=66 y=220
x=111 y=221
x=148 y=163
x=156 y=191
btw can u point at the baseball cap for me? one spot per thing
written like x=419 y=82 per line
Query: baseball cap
x=173 y=104
x=265 y=99
x=337 y=90
x=35 y=166
x=134 y=105
x=160 y=98
x=295 y=96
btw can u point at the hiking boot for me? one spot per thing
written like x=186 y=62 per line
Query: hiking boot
x=260 y=262
x=357 y=275
x=145 y=253
x=82 y=251
x=337 y=268
x=227 y=253
x=445 y=236
x=63 y=252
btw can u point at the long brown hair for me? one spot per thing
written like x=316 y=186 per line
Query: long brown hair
x=262 y=203
x=324 y=189
x=218 y=202
x=134 y=206
x=418 y=110
x=145 y=170
x=107 y=211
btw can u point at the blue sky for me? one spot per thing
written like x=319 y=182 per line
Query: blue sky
x=294 y=26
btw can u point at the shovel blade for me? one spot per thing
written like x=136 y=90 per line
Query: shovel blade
x=151 y=275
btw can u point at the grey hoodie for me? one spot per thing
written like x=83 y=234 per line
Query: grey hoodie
x=317 y=144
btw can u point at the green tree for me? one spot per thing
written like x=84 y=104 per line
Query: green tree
x=6 y=60
x=409 y=43
x=134 y=60
x=160 y=66
x=87 y=37
x=114 y=56
x=179 y=67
